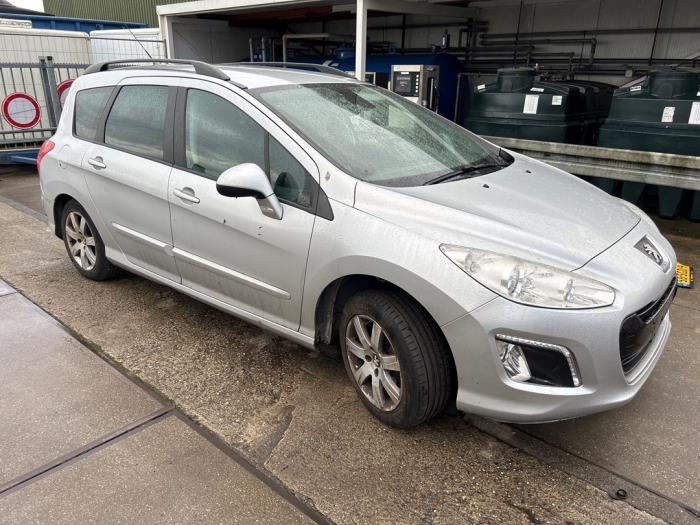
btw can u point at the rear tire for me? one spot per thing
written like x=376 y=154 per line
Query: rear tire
x=395 y=357
x=84 y=244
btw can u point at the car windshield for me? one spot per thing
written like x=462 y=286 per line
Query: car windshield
x=377 y=136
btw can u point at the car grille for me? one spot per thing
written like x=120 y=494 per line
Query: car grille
x=639 y=329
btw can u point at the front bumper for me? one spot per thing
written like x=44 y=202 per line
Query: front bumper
x=593 y=336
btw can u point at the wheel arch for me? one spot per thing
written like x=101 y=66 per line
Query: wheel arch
x=332 y=300
x=335 y=295
x=58 y=204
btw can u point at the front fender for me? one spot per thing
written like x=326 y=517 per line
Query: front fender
x=357 y=243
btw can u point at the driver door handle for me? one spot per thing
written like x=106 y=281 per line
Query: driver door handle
x=186 y=194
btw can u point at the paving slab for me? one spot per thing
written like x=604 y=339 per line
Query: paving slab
x=654 y=439
x=55 y=394
x=164 y=473
x=5 y=288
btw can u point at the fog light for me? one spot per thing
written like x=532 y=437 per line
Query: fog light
x=514 y=362
x=525 y=360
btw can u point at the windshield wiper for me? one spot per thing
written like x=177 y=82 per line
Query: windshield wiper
x=464 y=172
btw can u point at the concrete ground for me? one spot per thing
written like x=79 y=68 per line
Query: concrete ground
x=80 y=442
x=294 y=415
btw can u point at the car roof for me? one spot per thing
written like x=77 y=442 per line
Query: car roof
x=244 y=75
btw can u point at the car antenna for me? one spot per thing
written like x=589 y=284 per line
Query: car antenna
x=140 y=43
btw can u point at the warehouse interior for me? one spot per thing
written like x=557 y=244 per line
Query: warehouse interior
x=586 y=73
x=609 y=40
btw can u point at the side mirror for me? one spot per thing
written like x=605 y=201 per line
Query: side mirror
x=249 y=180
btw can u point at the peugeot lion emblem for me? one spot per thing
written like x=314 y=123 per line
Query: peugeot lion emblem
x=650 y=250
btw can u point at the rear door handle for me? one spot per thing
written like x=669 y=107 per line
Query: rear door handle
x=97 y=163
x=186 y=194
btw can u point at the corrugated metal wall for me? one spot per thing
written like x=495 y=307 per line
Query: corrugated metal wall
x=143 y=11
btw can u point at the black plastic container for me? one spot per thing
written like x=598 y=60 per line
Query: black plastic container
x=656 y=116
x=598 y=96
x=518 y=105
x=661 y=115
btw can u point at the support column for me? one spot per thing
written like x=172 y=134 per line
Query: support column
x=361 y=39
x=166 y=33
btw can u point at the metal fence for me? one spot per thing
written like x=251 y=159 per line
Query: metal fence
x=31 y=100
x=37 y=69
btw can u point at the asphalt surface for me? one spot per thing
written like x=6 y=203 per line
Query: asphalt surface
x=294 y=415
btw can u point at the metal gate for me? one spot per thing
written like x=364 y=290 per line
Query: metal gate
x=31 y=98
x=32 y=90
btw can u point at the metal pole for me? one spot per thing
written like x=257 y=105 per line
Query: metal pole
x=47 y=91
x=53 y=87
x=656 y=33
x=361 y=40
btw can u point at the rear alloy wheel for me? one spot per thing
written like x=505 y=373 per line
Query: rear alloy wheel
x=80 y=240
x=396 y=357
x=84 y=244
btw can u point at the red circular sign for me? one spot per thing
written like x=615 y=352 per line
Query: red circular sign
x=21 y=110
x=62 y=90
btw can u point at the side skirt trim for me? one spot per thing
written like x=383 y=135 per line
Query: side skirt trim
x=231 y=274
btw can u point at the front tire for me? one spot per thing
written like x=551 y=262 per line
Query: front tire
x=395 y=357
x=84 y=244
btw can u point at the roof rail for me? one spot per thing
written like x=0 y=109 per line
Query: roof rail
x=295 y=65
x=201 y=68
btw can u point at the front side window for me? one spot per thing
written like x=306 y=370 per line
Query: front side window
x=89 y=104
x=374 y=135
x=290 y=181
x=136 y=121
x=218 y=135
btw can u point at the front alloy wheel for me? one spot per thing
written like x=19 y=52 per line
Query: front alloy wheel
x=374 y=363
x=396 y=357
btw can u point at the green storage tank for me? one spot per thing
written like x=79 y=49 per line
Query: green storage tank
x=518 y=105
x=662 y=115
x=598 y=97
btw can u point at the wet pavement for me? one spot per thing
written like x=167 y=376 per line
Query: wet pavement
x=80 y=442
x=293 y=414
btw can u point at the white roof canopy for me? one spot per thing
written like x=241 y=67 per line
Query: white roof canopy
x=359 y=7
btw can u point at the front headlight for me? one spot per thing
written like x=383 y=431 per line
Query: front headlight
x=529 y=282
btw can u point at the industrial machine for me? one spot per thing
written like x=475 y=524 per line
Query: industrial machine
x=417 y=83
x=446 y=65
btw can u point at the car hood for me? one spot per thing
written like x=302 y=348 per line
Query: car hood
x=528 y=208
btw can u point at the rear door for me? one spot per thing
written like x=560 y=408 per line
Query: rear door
x=225 y=247
x=127 y=169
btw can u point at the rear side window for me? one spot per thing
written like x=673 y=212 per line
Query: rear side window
x=89 y=104
x=136 y=121
x=218 y=135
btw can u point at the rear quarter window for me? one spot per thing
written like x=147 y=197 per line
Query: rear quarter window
x=89 y=104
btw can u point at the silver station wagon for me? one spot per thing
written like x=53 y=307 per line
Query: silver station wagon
x=449 y=272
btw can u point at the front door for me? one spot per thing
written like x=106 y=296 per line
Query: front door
x=225 y=247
